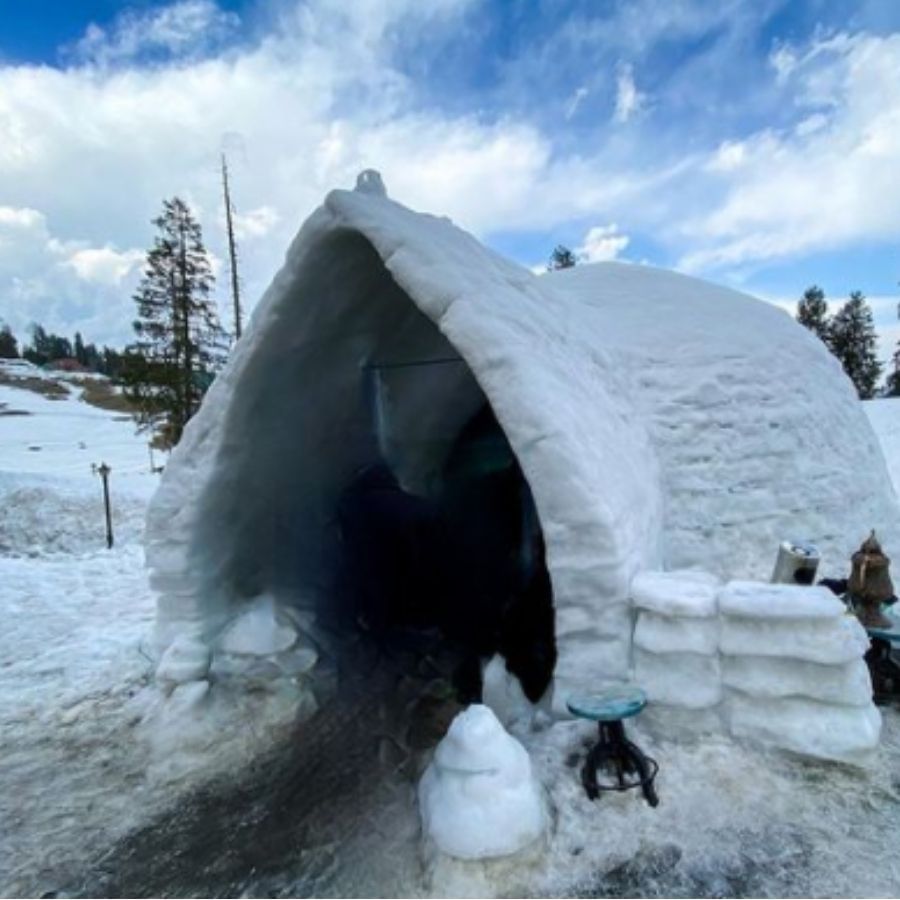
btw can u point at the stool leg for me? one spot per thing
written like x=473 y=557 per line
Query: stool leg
x=645 y=773
x=589 y=773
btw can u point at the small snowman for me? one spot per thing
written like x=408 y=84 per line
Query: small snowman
x=479 y=798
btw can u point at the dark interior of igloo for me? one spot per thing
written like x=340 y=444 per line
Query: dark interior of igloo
x=379 y=490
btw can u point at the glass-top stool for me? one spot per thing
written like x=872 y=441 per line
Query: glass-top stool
x=614 y=754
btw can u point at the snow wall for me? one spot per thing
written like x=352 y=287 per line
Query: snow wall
x=660 y=421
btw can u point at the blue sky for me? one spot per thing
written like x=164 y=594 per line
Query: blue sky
x=753 y=144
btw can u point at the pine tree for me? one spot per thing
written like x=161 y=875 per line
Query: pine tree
x=9 y=346
x=561 y=258
x=852 y=339
x=180 y=343
x=812 y=312
x=79 y=349
x=893 y=380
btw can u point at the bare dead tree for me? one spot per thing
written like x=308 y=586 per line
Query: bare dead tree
x=232 y=251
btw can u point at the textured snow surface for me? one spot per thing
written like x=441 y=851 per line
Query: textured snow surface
x=669 y=634
x=847 y=733
x=478 y=798
x=686 y=593
x=834 y=641
x=753 y=600
x=689 y=680
x=766 y=676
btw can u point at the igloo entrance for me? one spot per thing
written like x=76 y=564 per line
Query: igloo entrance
x=462 y=559
x=355 y=376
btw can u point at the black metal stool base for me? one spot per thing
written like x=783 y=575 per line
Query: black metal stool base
x=615 y=754
x=884 y=671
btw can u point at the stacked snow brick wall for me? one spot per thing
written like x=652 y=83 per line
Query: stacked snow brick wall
x=676 y=645
x=778 y=664
x=793 y=670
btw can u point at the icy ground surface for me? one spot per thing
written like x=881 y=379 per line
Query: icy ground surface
x=330 y=810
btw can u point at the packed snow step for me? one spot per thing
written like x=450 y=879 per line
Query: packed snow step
x=829 y=642
x=686 y=680
x=767 y=676
x=757 y=600
x=810 y=727
x=676 y=640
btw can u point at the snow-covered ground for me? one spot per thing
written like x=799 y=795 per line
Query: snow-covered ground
x=75 y=777
x=75 y=616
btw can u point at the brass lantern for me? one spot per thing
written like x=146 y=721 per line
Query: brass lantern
x=870 y=584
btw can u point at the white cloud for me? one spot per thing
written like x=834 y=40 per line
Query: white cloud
x=105 y=265
x=629 y=100
x=142 y=115
x=255 y=223
x=814 y=187
x=185 y=27
x=575 y=101
x=602 y=243
x=62 y=284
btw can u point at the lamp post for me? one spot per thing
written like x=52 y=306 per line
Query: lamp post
x=103 y=471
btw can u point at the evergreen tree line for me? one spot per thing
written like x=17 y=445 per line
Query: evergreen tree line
x=47 y=348
x=850 y=335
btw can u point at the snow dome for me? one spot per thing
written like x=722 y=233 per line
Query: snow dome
x=658 y=421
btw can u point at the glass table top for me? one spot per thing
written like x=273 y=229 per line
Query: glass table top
x=608 y=704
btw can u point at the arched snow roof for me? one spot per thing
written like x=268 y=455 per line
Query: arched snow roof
x=759 y=434
x=658 y=420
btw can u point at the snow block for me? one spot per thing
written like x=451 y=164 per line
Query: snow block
x=768 y=676
x=479 y=798
x=502 y=693
x=258 y=631
x=689 y=593
x=186 y=659
x=687 y=680
x=759 y=600
x=833 y=641
x=664 y=634
x=842 y=733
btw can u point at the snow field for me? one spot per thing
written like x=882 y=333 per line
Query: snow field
x=75 y=773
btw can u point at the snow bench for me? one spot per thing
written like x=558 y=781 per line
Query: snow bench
x=779 y=664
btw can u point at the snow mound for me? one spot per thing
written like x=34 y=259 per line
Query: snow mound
x=479 y=798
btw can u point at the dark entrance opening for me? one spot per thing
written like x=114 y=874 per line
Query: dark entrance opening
x=456 y=571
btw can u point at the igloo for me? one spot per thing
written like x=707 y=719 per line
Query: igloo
x=660 y=422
